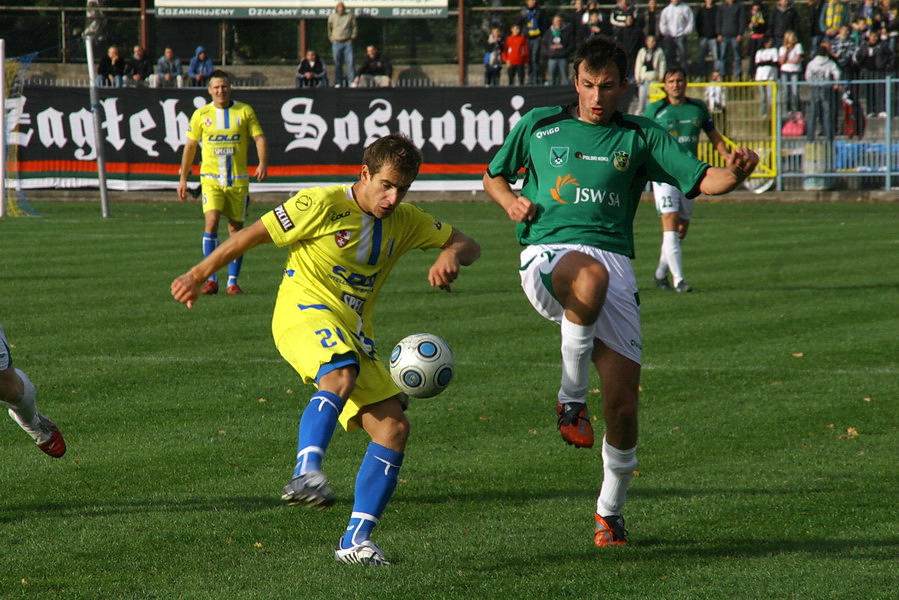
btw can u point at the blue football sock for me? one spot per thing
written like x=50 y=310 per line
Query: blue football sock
x=375 y=483
x=234 y=270
x=210 y=243
x=316 y=428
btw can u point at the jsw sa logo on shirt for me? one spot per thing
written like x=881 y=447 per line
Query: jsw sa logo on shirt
x=582 y=195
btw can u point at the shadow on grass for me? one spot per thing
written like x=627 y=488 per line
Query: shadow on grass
x=14 y=513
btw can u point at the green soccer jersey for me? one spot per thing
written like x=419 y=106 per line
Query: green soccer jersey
x=683 y=121
x=586 y=179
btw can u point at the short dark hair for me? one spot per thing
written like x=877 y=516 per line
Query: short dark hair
x=598 y=53
x=673 y=70
x=220 y=74
x=396 y=150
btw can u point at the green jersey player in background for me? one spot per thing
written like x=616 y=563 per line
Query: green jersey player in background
x=684 y=118
x=586 y=165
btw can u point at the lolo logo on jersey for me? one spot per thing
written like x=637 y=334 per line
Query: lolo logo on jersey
x=558 y=155
x=342 y=238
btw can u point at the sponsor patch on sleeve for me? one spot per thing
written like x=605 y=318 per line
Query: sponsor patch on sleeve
x=283 y=218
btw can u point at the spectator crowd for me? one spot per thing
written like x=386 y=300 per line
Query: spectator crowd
x=726 y=40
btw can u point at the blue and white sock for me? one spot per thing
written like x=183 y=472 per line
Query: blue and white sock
x=234 y=270
x=210 y=243
x=316 y=428
x=375 y=483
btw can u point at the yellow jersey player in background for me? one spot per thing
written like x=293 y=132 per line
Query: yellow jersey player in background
x=223 y=128
x=344 y=240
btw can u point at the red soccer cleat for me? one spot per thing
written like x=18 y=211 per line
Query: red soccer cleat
x=56 y=445
x=210 y=287
x=234 y=290
x=574 y=424
x=610 y=531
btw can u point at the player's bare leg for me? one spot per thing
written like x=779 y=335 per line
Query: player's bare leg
x=580 y=283
x=620 y=384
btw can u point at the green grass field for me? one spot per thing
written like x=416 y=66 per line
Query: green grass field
x=768 y=451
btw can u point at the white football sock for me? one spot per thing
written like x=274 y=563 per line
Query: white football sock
x=617 y=469
x=671 y=250
x=24 y=410
x=577 y=348
x=662 y=269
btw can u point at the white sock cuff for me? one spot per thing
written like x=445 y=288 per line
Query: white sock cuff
x=669 y=236
x=619 y=461
x=580 y=334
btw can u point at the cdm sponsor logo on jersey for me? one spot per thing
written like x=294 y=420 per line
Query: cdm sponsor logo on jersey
x=558 y=156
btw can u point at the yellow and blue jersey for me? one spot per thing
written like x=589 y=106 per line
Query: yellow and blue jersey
x=339 y=255
x=224 y=135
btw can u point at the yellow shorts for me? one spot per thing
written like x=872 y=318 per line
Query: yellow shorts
x=312 y=339
x=231 y=201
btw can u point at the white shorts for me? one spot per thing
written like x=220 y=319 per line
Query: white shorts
x=618 y=325
x=5 y=356
x=670 y=199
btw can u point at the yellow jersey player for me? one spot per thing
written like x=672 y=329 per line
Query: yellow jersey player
x=344 y=240
x=223 y=128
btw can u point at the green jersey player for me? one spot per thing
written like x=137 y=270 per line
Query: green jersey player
x=585 y=167
x=684 y=118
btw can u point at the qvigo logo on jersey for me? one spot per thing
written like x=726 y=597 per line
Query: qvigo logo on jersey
x=558 y=155
x=620 y=160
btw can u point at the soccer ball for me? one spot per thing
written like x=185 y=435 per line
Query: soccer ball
x=422 y=365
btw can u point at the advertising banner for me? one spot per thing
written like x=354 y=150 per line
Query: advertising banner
x=298 y=9
x=315 y=136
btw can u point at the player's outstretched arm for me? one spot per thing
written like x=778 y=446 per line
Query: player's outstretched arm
x=519 y=208
x=186 y=288
x=262 y=153
x=460 y=250
x=187 y=159
x=721 y=180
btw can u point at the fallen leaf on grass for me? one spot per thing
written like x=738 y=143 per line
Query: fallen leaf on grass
x=797 y=354
x=532 y=431
x=829 y=426
x=257 y=545
x=866 y=399
x=485 y=418
x=851 y=432
x=261 y=399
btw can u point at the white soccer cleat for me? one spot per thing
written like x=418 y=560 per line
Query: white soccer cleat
x=366 y=553
x=309 y=488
